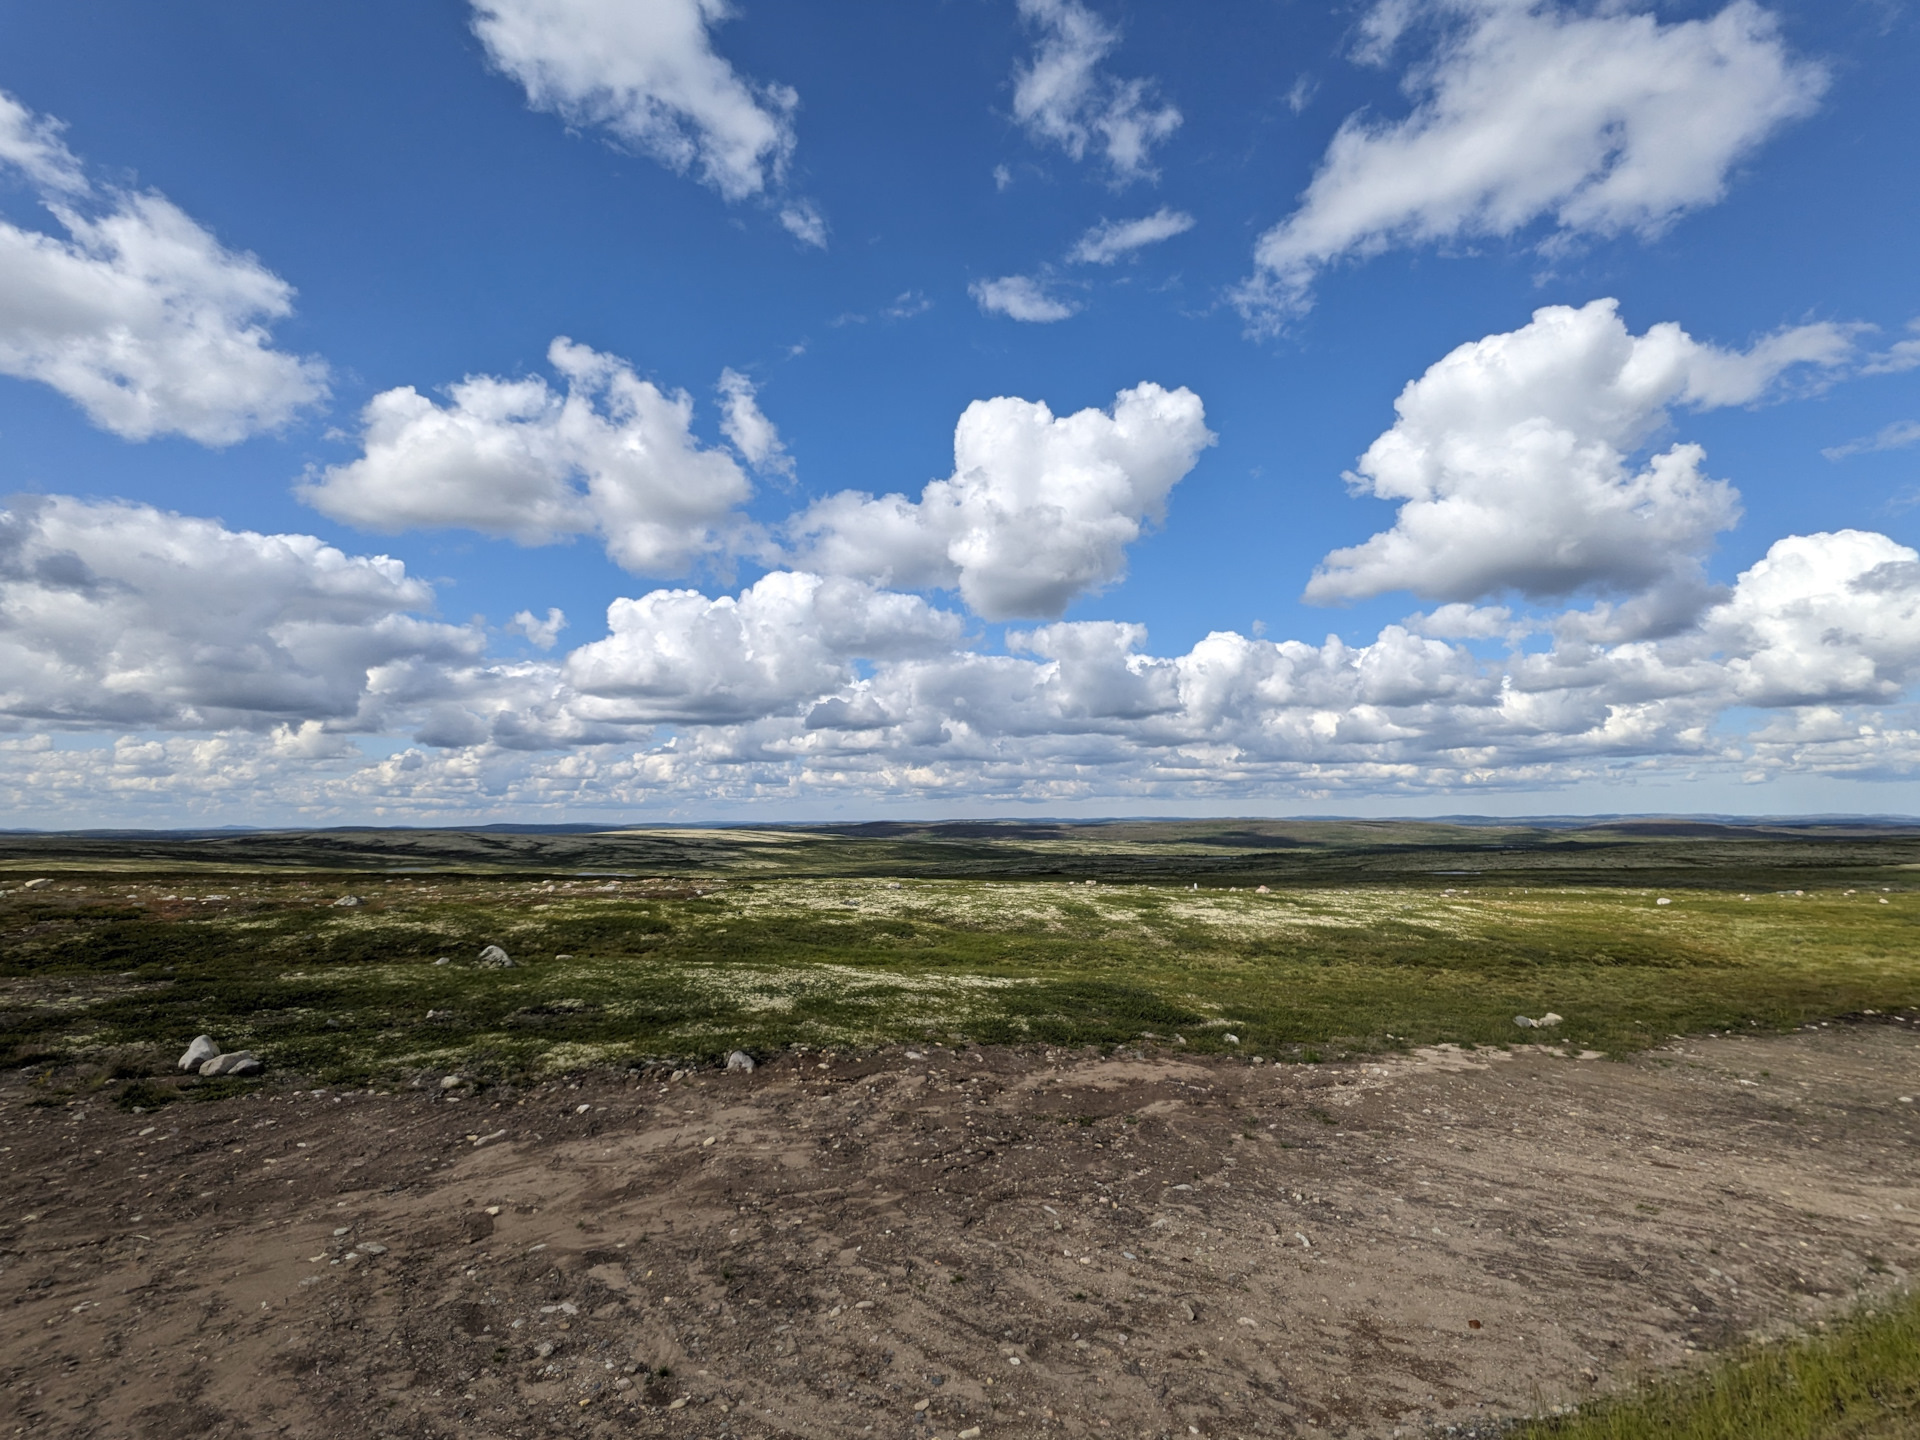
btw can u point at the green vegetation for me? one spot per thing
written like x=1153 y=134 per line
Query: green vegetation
x=1296 y=941
x=685 y=944
x=1211 y=853
x=1858 y=1379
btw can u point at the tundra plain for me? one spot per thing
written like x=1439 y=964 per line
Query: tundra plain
x=1154 y=1128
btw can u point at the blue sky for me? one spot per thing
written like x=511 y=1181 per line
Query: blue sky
x=289 y=451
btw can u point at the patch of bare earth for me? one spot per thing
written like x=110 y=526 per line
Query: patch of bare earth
x=922 y=1247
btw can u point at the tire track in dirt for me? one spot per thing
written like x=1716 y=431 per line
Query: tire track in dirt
x=1027 y=1242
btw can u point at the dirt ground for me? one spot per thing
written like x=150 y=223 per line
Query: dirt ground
x=939 y=1243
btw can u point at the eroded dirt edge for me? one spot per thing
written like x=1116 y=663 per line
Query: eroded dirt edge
x=926 y=1242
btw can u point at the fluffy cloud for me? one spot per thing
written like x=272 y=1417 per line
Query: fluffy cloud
x=140 y=316
x=1823 y=619
x=675 y=655
x=1039 y=510
x=1063 y=96
x=806 y=687
x=1512 y=459
x=1020 y=297
x=1511 y=462
x=543 y=634
x=1822 y=623
x=1598 y=122
x=1113 y=240
x=747 y=429
x=646 y=71
x=614 y=456
x=114 y=614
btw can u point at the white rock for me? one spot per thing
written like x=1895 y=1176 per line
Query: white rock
x=348 y=902
x=451 y=1082
x=1549 y=1020
x=36 y=884
x=1231 y=1039
x=740 y=1060
x=240 y=1062
x=563 y=958
x=496 y=957
x=199 y=1052
x=1262 y=890
x=1663 y=900
x=1523 y=1022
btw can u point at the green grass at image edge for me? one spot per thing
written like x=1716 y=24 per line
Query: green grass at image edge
x=1858 y=1379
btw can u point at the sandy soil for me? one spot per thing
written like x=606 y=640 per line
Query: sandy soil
x=923 y=1244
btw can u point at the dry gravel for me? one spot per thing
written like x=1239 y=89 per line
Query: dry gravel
x=921 y=1243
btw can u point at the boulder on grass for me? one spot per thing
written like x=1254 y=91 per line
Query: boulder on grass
x=496 y=958
x=740 y=1060
x=199 y=1052
x=239 y=1062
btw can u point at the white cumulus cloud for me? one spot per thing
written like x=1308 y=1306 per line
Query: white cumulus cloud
x=805 y=687
x=614 y=455
x=646 y=72
x=1040 y=509
x=675 y=655
x=747 y=428
x=115 y=614
x=1113 y=240
x=1512 y=463
x=1821 y=619
x=140 y=316
x=544 y=634
x=1063 y=96
x=1020 y=297
x=1596 y=121
x=1519 y=462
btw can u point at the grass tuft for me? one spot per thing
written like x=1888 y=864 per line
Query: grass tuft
x=1858 y=1379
